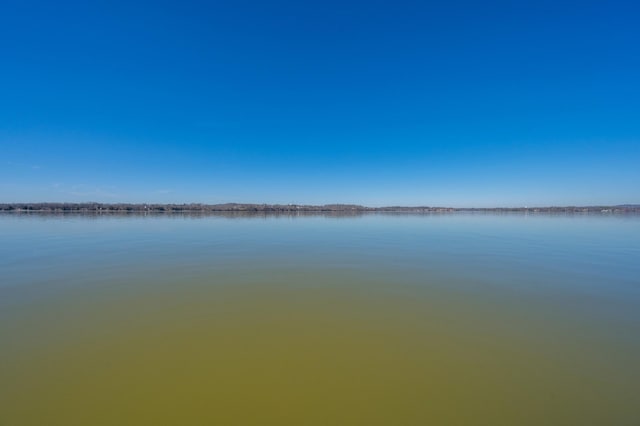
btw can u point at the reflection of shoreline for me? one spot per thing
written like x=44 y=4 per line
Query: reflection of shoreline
x=185 y=214
x=264 y=210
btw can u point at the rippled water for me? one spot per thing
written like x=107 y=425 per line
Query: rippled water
x=463 y=319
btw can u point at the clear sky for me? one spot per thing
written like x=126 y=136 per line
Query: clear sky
x=460 y=103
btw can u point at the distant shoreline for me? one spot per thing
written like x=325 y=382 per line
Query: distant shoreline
x=99 y=208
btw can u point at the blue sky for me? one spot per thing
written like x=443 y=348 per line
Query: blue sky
x=459 y=103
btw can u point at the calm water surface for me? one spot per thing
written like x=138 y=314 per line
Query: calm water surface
x=373 y=320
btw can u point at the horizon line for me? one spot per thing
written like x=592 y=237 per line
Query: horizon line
x=231 y=206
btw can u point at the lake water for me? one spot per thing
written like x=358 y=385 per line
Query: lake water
x=452 y=319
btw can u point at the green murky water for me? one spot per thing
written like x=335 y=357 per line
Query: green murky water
x=372 y=320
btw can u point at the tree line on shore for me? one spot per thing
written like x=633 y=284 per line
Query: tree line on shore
x=288 y=208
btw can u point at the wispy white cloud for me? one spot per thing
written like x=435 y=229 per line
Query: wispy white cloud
x=85 y=191
x=23 y=165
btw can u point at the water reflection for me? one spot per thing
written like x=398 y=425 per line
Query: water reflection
x=373 y=319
